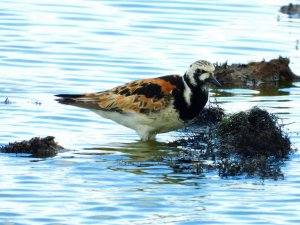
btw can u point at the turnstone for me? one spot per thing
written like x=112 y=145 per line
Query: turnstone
x=151 y=106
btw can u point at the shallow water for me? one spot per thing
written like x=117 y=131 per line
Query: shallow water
x=50 y=47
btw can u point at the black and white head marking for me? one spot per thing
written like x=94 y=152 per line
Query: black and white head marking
x=195 y=77
x=199 y=71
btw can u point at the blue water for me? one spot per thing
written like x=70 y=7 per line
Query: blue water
x=108 y=176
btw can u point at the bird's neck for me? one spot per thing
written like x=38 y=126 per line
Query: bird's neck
x=191 y=100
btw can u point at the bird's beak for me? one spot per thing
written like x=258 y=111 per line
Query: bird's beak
x=214 y=80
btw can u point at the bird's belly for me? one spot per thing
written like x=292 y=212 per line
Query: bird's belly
x=164 y=121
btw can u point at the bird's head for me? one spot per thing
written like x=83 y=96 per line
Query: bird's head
x=200 y=73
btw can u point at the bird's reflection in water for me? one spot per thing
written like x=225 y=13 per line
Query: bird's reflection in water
x=143 y=158
x=139 y=151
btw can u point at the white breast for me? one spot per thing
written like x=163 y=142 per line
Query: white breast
x=146 y=125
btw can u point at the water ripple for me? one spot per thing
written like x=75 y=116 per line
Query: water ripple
x=53 y=47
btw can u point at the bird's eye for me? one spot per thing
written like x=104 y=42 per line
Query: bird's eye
x=198 y=71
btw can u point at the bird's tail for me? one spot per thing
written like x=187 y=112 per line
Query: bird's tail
x=69 y=99
x=79 y=100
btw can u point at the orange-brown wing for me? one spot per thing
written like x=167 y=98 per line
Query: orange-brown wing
x=136 y=103
x=144 y=96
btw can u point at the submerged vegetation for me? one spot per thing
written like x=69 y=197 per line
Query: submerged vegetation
x=250 y=143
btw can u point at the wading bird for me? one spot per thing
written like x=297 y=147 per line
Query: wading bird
x=152 y=106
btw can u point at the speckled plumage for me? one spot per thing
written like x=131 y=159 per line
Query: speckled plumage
x=151 y=106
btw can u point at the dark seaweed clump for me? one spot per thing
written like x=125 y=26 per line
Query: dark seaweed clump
x=250 y=143
x=210 y=115
x=254 y=133
x=265 y=73
x=290 y=9
x=36 y=147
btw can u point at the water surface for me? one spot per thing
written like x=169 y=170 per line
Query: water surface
x=50 y=47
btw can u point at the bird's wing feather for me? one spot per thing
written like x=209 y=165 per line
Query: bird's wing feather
x=143 y=96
